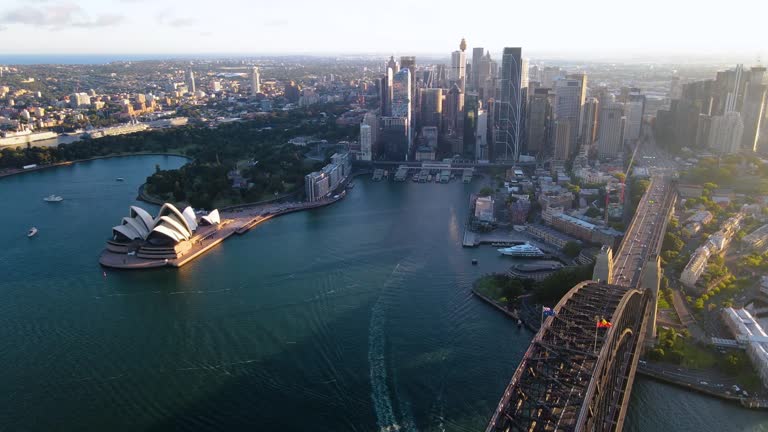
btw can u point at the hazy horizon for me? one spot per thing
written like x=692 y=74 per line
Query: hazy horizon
x=596 y=30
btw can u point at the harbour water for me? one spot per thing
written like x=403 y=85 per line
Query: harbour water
x=353 y=317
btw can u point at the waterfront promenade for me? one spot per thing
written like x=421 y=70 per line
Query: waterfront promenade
x=236 y=221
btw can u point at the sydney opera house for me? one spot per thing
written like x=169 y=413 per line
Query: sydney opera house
x=168 y=236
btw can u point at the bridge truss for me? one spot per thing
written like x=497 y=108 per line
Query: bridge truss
x=574 y=375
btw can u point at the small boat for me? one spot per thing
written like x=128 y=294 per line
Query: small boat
x=474 y=261
x=519 y=323
x=53 y=198
x=120 y=179
x=32 y=232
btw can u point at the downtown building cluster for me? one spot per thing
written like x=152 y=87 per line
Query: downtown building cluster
x=724 y=115
x=486 y=109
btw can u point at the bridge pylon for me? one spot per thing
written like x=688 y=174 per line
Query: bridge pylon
x=650 y=279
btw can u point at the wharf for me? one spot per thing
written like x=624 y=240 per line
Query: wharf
x=238 y=221
x=505 y=311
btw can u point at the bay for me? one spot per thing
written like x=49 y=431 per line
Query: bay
x=356 y=317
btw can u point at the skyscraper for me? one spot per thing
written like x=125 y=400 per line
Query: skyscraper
x=191 y=81
x=563 y=142
x=459 y=66
x=540 y=122
x=726 y=133
x=477 y=56
x=386 y=92
x=454 y=108
x=392 y=64
x=507 y=110
x=567 y=109
x=582 y=96
x=366 y=142
x=610 y=137
x=486 y=79
x=402 y=99
x=469 y=125
x=369 y=134
x=634 y=110
x=481 y=137
x=753 y=108
x=431 y=106
x=255 y=81
x=591 y=112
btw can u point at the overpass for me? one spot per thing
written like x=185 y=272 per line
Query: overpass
x=576 y=376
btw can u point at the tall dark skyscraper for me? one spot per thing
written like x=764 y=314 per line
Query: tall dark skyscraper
x=431 y=106
x=508 y=106
x=540 y=122
x=477 y=56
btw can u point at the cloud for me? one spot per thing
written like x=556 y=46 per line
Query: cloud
x=57 y=16
x=181 y=22
x=276 y=23
x=167 y=18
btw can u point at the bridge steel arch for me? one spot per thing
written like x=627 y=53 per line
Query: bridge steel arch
x=575 y=376
x=606 y=399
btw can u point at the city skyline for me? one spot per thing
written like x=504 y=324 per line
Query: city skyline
x=120 y=27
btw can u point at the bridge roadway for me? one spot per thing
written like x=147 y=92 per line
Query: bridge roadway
x=576 y=376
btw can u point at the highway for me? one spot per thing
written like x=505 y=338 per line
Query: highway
x=643 y=237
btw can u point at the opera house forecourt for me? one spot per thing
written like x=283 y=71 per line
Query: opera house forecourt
x=175 y=237
x=172 y=238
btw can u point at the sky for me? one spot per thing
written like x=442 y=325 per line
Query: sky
x=567 y=29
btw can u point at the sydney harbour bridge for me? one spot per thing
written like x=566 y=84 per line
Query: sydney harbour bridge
x=576 y=375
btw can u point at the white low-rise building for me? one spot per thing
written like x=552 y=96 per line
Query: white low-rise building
x=751 y=335
x=695 y=267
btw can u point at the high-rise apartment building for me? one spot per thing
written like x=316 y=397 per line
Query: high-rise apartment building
x=366 y=142
x=507 y=112
x=255 y=81
x=369 y=135
x=610 y=138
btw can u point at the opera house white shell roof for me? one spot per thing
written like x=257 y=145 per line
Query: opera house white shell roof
x=170 y=224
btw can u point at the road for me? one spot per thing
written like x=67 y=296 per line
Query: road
x=642 y=236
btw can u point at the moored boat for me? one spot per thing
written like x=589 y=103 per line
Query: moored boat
x=525 y=250
x=53 y=198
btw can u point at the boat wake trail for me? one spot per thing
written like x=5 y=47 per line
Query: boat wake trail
x=380 y=392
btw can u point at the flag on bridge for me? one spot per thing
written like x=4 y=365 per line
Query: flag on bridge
x=603 y=323
x=547 y=312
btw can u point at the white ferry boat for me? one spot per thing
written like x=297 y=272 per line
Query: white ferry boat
x=525 y=250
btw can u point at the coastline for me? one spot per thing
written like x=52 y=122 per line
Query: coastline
x=17 y=171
